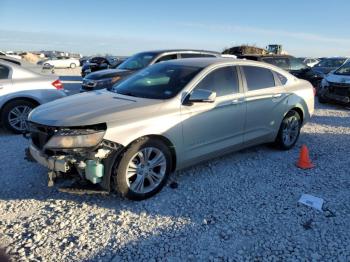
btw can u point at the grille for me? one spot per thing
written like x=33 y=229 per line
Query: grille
x=40 y=134
x=341 y=89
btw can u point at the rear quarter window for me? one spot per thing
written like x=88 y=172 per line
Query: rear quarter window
x=282 y=78
x=4 y=72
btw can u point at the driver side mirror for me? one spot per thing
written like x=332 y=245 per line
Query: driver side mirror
x=201 y=96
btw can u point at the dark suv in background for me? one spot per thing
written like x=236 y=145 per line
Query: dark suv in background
x=293 y=65
x=329 y=64
x=100 y=63
x=107 y=78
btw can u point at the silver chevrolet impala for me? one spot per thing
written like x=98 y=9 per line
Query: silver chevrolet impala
x=167 y=117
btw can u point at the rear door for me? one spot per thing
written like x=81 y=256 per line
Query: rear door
x=5 y=80
x=264 y=98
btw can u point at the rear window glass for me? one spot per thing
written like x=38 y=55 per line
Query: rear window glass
x=279 y=62
x=258 y=77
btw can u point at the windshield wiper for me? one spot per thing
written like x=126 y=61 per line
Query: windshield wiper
x=127 y=94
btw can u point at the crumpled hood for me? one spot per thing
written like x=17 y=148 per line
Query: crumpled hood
x=107 y=73
x=344 y=79
x=93 y=108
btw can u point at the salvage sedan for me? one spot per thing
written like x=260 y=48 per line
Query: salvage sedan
x=167 y=117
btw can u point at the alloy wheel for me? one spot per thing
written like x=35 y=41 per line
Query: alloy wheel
x=290 y=130
x=18 y=116
x=146 y=170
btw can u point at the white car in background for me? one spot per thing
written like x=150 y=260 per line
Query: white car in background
x=311 y=62
x=21 y=90
x=61 y=62
x=10 y=54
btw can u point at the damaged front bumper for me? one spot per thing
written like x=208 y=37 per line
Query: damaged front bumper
x=94 y=166
x=54 y=163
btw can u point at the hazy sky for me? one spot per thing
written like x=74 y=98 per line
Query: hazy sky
x=303 y=27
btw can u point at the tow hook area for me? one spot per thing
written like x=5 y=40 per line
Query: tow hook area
x=51 y=176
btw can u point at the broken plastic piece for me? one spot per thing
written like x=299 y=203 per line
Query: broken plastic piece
x=311 y=201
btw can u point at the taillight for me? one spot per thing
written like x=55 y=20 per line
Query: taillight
x=315 y=91
x=58 y=84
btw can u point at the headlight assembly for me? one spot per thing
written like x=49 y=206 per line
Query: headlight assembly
x=71 y=139
x=324 y=83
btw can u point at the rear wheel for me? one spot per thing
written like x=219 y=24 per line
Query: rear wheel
x=15 y=114
x=143 y=169
x=289 y=131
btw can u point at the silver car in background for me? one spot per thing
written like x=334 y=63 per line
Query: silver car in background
x=167 y=117
x=21 y=90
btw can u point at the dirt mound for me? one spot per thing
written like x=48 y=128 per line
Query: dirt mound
x=31 y=58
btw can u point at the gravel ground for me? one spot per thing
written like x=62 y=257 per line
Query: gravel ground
x=241 y=207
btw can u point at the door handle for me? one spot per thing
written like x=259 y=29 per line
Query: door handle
x=237 y=101
x=276 y=95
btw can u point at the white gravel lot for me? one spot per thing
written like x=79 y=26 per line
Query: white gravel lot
x=241 y=207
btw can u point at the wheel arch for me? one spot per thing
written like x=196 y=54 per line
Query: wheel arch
x=24 y=98
x=299 y=111
x=167 y=142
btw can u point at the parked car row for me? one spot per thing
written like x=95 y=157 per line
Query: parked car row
x=161 y=111
x=107 y=78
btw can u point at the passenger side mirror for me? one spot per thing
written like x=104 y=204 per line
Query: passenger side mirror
x=201 y=96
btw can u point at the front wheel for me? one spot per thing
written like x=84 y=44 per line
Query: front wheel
x=289 y=131
x=15 y=114
x=143 y=169
x=72 y=65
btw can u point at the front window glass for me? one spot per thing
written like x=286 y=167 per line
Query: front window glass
x=167 y=58
x=223 y=81
x=138 y=61
x=159 y=81
x=344 y=70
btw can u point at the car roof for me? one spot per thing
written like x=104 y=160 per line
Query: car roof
x=208 y=61
x=265 y=56
x=180 y=50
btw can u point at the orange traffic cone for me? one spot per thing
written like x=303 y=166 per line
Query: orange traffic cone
x=304 y=161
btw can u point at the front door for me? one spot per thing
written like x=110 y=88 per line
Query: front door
x=214 y=127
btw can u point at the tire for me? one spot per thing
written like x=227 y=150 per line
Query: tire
x=290 y=123
x=8 y=115
x=46 y=65
x=137 y=186
x=72 y=65
x=321 y=97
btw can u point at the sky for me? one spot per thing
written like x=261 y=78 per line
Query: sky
x=303 y=27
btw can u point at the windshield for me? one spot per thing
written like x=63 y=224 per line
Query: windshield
x=344 y=70
x=159 y=81
x=138 y=61
x=332 y=62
